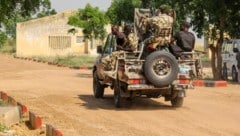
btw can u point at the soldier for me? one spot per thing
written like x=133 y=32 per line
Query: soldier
x=119 y=41
x=120 y=38
x=132 y=40
x=159 y=30
x=161 y=27
x=185 y=40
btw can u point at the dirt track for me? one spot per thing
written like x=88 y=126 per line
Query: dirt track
x=63 y=97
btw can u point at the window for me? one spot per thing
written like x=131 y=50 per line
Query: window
x=59 y=42
x=110 y=44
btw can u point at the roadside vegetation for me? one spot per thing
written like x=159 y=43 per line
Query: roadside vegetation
x=70 y=61
x=3 y=128
x=12 y=13
x=9 y=47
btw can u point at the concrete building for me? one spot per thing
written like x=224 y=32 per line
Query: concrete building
x=48 y=36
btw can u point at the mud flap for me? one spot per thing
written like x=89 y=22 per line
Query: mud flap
x=182 y=93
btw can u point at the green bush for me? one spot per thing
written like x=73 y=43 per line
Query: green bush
x=9 y=47
x=3 y=38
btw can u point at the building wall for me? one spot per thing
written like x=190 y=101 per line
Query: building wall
x=48 y=36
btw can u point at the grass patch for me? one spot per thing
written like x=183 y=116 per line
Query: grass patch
x=9 y=47
x=3 y=128
x=72 y=61
x=206 y=59
x=1 y=102
x=8 y=50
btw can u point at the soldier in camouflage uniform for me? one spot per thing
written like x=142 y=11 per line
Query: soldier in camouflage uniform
x=158 y=29
x=161 y=27
x=132 y=40
x=130 y=45
x=118 y=41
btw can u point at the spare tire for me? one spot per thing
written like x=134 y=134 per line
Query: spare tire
x=161 y=68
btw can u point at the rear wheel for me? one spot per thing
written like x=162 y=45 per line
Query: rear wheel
x=118 y=100
x=234 y=74
x=98 y=89
x=224 y=73
x=177 y=101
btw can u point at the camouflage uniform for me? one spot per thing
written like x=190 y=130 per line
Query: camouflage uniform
x=106 y=60
x=132 y=42
x=162 y=26
x=109 y=60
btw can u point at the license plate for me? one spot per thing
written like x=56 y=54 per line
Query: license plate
x=183 y=69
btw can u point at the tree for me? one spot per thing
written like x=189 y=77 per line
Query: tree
x=25 y=7
x=16 y=12
x=214 y=19
x=46 y=10
x=92 y=20
x=122 y=10
x=3 y=38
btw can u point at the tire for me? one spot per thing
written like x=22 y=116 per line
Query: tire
x=224 y=74
x=234 y=74
x=118 y=100
x=161 y=68
x=98 y=89
x=177 y=102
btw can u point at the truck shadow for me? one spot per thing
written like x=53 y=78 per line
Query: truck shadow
x=107 y=103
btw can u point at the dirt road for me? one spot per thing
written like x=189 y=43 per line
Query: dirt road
x=63 y=97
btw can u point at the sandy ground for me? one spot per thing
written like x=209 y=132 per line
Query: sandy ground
x=63 y=97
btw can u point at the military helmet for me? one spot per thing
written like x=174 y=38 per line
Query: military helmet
x=165 y=9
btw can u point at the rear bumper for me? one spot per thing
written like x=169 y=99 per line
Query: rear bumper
x=145 y=87
x=178 y=85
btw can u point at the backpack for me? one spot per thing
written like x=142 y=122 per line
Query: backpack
x=185 y=40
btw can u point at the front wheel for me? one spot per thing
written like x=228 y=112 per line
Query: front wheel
x=224 y=74
x=234 y=74
x=98 y=89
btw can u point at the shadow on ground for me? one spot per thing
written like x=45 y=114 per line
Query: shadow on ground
x=90 y=102
x=233 y=82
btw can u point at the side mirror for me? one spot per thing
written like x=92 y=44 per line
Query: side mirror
x=235 y=50
x=99 y=49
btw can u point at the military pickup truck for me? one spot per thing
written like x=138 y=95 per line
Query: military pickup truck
x=158 y=74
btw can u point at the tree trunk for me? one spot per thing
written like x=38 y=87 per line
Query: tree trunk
x=213 y=59
x=91 y=43
x=219 y=51
x=217 y=70
x=216 y=59
x=219 y=59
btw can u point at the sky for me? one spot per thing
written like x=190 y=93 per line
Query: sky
x=61 y=5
